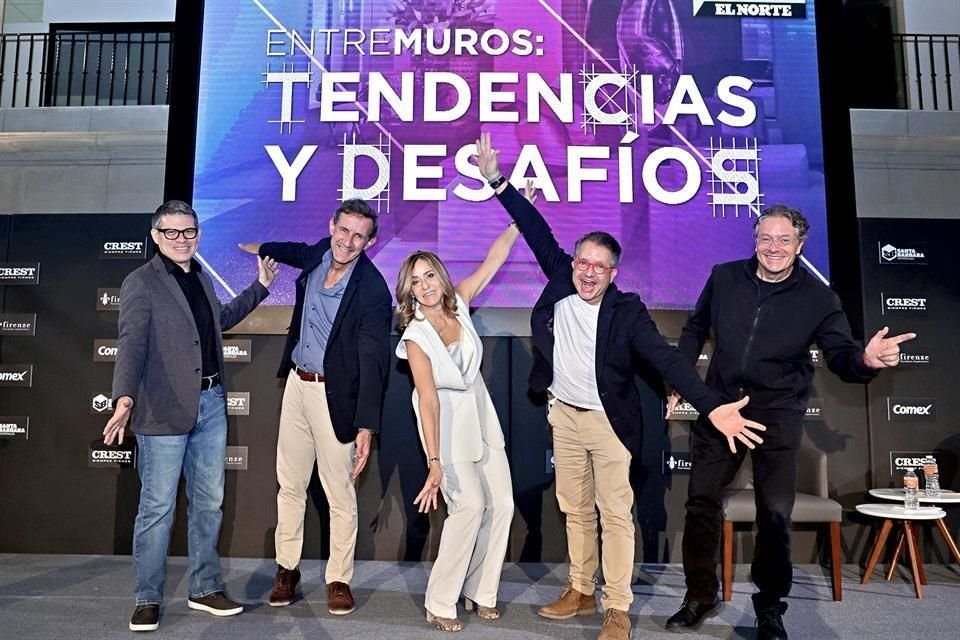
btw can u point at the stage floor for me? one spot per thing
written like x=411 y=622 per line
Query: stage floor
x=71 y=597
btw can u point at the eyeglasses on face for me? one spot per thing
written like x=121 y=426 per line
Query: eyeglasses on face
x=598 y=267
x=172 y=234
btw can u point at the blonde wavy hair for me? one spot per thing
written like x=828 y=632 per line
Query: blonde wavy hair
x=406 y=302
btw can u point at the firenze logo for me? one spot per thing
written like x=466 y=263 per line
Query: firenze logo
x=903 y=460
x=18 y=324
x=19 y=273
x=102 y=456
x=908 y=358
x=101 y=403
x=236 y=350
x=104 y=350
x=123 y=250
x=16 y=375
x=814 y=409
x=108 y=299
x=915 y=253
x=684 y=411
x=749 y=9
x=895 y=304
x=15 y=427
x=675 y=462
x=911 y=409
x=238 y=403
x=236 y=459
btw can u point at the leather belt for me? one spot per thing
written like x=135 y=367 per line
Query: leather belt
x=309 y=376
x=573 y=406
x=209 y=382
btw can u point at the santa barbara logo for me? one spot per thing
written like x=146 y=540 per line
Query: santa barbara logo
x=108 y=299
x=895 y=304
x=101 y=403
x=750 y=9
x=676 y=462
x=236 y=459
x=16 y=375
x=238 y=403
x=914 y=254
x=236 y=350
x=911 y=409
x=19 y=273
x=15 y=427
x=104 y=350
x=123 y=249
x=903 y=460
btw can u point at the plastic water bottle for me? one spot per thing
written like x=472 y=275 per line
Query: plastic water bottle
x=911 y=491
x=931 y=477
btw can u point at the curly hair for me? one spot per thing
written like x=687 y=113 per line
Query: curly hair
x=796 y=218
x=406 y=302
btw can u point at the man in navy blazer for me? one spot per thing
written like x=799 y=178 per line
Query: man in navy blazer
x=335 y=363
x=588 y=334
x=168 y=384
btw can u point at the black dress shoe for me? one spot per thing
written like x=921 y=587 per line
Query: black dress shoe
x=770 y=622
x=692 y=613
x=146 y=617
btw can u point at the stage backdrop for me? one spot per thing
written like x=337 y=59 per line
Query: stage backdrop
x=668 y=123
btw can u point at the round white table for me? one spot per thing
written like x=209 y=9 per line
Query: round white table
x=909 y=534
x=946 y=497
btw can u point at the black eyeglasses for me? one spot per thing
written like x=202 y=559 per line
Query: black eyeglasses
x=172 y=234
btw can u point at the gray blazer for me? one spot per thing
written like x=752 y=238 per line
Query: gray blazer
x=158 y=349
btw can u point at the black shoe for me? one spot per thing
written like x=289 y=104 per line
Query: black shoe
x=216 y=603
x=770 y=622
x=146 y=617
x=692 y=613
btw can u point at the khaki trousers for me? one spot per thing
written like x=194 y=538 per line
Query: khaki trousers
x=479 y=499
x=593 y=471
x=306 y=437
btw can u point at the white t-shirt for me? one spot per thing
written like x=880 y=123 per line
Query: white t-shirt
x=575 y=352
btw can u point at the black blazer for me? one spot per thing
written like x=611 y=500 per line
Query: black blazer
x=625 y=331
x=358 y=352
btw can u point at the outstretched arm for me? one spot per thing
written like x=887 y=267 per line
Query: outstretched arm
x=531 y=222
x=477 y=281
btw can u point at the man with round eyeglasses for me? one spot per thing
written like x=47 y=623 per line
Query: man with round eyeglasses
x=168 y=385
x=765 y=312
x=589 y=336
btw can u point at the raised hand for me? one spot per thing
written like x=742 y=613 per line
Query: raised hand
x=728 y=421
x=882 y=352
x=267 y=269
x=487 y=156
x=529 y=191
x=250 y=247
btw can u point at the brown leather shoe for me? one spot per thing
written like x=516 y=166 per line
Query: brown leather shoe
x=339 y=599
x=615 y=625
x=571 y=603
x=284 y=586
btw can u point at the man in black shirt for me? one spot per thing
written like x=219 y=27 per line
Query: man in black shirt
x=167 y=384
x=765 y=313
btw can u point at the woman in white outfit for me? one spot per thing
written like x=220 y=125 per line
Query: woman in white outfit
x=459 y=430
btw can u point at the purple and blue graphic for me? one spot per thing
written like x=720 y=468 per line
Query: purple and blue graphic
x=662 y=122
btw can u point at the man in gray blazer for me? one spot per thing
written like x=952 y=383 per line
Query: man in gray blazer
x=167 y=384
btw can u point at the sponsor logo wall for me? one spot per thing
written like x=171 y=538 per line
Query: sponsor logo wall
x=16 y=375
x=108 y=299
x=104 y=350
x=102 y=456
x=15 y=427
x=18 y=324
x=675 y=462
x=123 y=250
x=236 y=459
x=14 y=273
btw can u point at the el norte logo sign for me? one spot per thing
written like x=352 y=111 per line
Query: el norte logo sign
x=750 y=9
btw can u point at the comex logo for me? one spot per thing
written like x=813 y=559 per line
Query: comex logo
x=911 y=409
x=13 y=376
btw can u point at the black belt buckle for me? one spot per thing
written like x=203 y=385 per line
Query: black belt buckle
x=573 y=406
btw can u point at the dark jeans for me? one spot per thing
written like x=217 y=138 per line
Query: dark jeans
x=775 y=480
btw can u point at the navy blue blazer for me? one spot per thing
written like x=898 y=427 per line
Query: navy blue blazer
x=358 y=351
x=625 y=331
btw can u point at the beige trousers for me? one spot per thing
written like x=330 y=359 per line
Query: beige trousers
x=479 y=498
x=306 y=437
x=593 y=471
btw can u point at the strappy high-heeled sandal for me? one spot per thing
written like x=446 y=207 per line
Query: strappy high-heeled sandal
x=487 y=613
x=444 y=624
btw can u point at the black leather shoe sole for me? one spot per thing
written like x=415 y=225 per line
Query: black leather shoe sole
x=693 y=622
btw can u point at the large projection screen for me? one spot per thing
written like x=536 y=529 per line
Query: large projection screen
x=667 y=123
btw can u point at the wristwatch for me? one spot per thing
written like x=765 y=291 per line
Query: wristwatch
x=496 y=182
